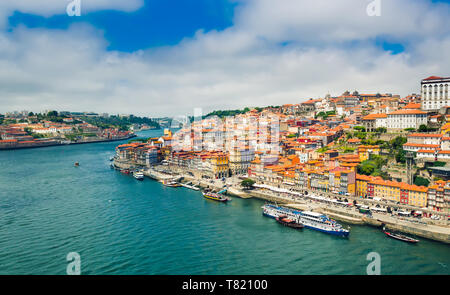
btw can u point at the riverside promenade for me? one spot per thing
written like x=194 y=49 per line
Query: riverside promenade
x=438 y=230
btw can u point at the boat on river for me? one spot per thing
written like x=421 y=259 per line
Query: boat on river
x=215 y=197
x=284 y=220
x=138 y=175
x=400 y=237
x=170 y=183
x=312 y=220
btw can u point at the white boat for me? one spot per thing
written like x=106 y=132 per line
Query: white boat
x=138 y=175
x=312 y=220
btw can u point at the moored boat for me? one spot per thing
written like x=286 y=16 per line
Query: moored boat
x=312 y=220
x=400 y=237
x=215 y=197
x=170 y=183
x=125 y=171
x=138 y=175
x=284 y=220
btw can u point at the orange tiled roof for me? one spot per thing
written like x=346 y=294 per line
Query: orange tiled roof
x=408 y=112
x=374 y=116
x=424 y=135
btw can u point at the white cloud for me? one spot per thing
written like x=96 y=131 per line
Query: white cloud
x=240 y=66
x=49 y=8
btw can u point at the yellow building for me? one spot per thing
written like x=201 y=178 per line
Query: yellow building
x=361 y=185
x=396 y=192
x=387 y=190
x=364 y=151
x=416 y=195
x=220 y=165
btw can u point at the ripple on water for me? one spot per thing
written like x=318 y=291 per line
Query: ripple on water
x=121 y=226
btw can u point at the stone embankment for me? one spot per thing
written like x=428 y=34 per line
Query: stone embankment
x=346 y=215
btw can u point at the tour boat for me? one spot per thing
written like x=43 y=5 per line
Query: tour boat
x=284 y=220
x=138 y=175
x=400 y=237
x=215 y=197
x=312 y=220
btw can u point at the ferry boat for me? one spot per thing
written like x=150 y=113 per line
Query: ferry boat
x=312 y=220
x=400 y=237
x=215 y=197
x=138 y=175
x=284 y=220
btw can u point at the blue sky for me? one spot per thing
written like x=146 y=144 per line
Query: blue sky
x=166 y=57
x=157 y=23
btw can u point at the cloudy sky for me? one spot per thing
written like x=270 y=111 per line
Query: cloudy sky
x=166 y=57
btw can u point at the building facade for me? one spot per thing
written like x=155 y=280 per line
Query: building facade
x=435 y=93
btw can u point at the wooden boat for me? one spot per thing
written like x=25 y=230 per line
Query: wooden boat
x=77 y=164
x=400 y=237
x=215 y=197
x=170 y=183
x=284 y=220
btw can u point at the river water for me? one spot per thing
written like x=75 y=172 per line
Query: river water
x=119 y=225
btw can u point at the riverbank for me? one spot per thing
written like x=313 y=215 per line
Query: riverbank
x=346 y=215
x=34 y=145
x=121 y=226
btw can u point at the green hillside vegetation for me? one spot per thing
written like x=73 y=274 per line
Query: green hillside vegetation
x=123 y=123
x=373 y=166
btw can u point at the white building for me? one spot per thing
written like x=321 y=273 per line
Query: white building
x=435 y=93
x=406 y=118
x=425 y=138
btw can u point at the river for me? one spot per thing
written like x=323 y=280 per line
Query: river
x=119 y=225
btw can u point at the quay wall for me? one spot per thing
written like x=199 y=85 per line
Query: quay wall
x=430 y=231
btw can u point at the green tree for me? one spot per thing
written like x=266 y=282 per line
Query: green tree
x=247 y=183
x=423 y=128
x=381 y=130
x=52 y=114
x=400 y=156
x=421 y=181
x=397 y=143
